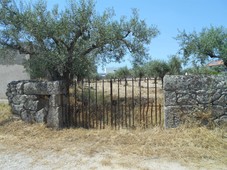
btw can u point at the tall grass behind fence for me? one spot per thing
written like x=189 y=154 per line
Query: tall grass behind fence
x=119 y=103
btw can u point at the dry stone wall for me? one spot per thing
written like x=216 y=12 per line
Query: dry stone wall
x=37 y=101
x=199 y=98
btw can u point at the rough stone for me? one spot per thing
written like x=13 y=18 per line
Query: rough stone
x=37 y=101
x=27 y=116
x=40 y=116
x=55 y=87
x=37 y=88
x=204 y=98
x=31 y=105
x=17 y=109
x=222 y=121
x=186 y=99
x=170 y=99
x=54 y=117
x=202 y=94
x=217 y=111
x=172 y=120
x=55 y=100
x=18 y=99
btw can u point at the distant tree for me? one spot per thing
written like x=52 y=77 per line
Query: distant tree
x=68 y=43
x=201 y=70
x=110 y=76
x=199 y=47
x=157 y=68
x=174 y=65
x=122 y=72
x=138 y=71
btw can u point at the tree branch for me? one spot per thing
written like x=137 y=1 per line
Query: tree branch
x=212 y=55
x=126 y=35
x=89 y=49
x=21 y=49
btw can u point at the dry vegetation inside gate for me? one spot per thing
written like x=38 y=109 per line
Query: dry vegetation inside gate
x=196 y=147
x=128 y=103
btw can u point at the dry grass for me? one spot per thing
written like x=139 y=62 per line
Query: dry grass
x=121 y=88
x=197 y=147
x=5 y=113
x=142 y=98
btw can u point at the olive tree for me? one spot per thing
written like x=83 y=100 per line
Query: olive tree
x=67 y=43
x=199 y=47
x=175 y=65
x=157 y=68
x=138 y=71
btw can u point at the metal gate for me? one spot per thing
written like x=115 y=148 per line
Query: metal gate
x=115 y=103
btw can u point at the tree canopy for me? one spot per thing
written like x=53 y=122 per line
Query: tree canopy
x=68 y=43
x=122 y=72
x=174 y=63
x=199 y=47
x=157 y=68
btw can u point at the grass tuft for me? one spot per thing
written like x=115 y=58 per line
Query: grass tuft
x=5 y=113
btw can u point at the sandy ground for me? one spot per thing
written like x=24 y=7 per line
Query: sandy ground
x=47 y=159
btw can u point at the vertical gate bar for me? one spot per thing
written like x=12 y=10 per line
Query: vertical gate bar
x=67 y=112
x=105 y=112
x=122 y=116
x=147 y=115
x=75 y=102
x=67 y=120
x=89 y=102
x=82 y=109
x=115 y=116
x=86 y=104
x=155 y=100
x=96 y=103
x=140 y=99
x=72 y=115
x=143 y=114
x=148 y=101
x=107 y=117
x=152 y=106
x=103 y=104
x=126 y=117
x=129 y=113
x=62 y=108
x=126 y=84
x=160 y=114
x=118 y=103
x=111 y=102
x=79 y=110
x=133 y=111
x=72 y=106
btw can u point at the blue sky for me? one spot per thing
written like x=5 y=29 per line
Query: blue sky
x=169 y=16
